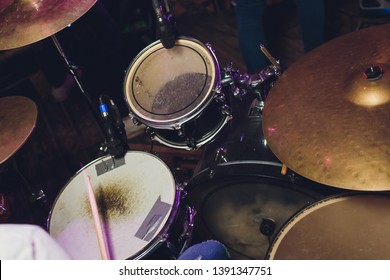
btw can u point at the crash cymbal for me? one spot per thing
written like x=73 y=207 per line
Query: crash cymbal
x=18 y=117
x=328 y=116
x=24 y=22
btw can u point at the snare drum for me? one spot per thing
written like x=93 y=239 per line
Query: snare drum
x=139 y=203
x=345 y=227
x=176 y=93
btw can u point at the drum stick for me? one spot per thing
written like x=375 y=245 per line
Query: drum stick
x=270 y=57
x=284 y=169
x=96 y=218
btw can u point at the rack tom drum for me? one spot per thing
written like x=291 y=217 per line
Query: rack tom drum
x=176 y=93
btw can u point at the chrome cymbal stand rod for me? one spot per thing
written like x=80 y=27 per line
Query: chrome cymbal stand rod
x=71 y=68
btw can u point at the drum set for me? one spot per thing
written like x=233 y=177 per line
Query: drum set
x=295 y=163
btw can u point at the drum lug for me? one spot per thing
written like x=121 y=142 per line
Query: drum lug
x=256 y=108
x=220 y=157
x=177 y=126
x=134 y=120
x=210 y=47
x=5 y=212
x=185 y=237
x=149 y=132
x=220 y=98
x=188 y=228
x=226 y=110
x=180 y=132
x=293 y=177
x=218 y=89
x=191 y=143
x=182 y=190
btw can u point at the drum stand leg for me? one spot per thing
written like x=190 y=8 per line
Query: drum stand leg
x=34 y=198
x=22 y=200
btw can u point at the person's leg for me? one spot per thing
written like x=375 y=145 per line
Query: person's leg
x=312 y=20
x=207 y=250
x=29 y=242
x=251 y=33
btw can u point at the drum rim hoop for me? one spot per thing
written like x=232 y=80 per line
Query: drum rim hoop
x=173 y=122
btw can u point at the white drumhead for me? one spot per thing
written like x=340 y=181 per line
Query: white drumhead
x=164 y=87
x=134 y=199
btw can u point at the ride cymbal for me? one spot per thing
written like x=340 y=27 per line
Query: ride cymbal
x=328 y=116
x=18 y=117
x=24 y=22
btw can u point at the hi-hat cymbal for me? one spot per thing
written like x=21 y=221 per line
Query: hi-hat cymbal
x=18 y=116
x=24 y=22
x=328 y=116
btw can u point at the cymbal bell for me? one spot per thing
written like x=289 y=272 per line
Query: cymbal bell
x=18 y=117
x=328 y=116
x=25 y=22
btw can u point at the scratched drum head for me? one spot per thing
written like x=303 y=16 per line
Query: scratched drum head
x=165 y=88
x=135 y=199
x=232 y=205
x=347 y=227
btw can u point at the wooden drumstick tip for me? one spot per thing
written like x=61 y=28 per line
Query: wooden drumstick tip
x=283 y=171
x=269 y=56
x=96 y=218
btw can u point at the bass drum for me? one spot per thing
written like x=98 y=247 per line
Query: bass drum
x=142 y=213
x=241 y=196
x=351 y=226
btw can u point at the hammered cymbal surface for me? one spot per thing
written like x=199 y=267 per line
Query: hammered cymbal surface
x=324 y=120
x=23 y=22
x=18 y=116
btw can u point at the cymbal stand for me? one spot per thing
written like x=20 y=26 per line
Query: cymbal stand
x=26 y=205
x=71 y=68
x=33 y=197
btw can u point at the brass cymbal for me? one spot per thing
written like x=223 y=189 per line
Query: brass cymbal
x=328 y=116
x=18 y=116
x=23 y=22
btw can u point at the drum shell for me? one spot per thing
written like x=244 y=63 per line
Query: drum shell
x=177 y=94
x=195 y=133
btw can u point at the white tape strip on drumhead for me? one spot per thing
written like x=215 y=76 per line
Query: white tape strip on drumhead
x=153 y=220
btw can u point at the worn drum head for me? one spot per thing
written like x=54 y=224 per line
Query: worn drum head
x=347 y=227
x=232 y=206
x=166 y=87
x=135 y=200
